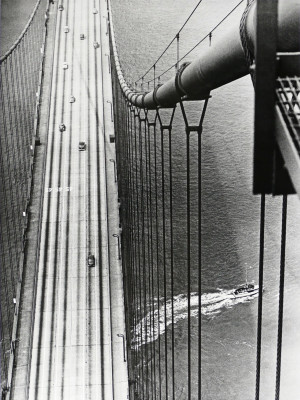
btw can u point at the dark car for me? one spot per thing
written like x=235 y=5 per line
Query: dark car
x=82 y=146
x=91 y=260
x=62 y=127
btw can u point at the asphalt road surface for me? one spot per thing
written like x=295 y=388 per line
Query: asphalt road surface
x=72 y=356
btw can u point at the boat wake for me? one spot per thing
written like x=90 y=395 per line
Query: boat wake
x=155 y=322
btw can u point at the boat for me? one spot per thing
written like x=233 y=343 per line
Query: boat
x=248 y=289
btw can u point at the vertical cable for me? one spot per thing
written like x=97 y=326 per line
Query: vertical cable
x=134 y=245
x=157 y=263
x=164 y=255
x=188 y=259
x=199 y=258
x=149 y=247
x=172 y=262
x=281 y=295
x=152 y=264
x=260 y=299
x=140 y=314
x=144 y=285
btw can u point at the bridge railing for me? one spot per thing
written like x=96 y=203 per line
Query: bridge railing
x=21 y=70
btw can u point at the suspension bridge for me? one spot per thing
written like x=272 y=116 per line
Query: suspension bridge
x=90 y=247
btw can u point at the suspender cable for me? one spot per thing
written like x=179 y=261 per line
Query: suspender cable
x=149 y=250
x=11 y=160
x=140 y=315
x=260 y=299
x=164 y=255
x=134 y=245
x=137 y=337
x=281 y=295
x=144 y=281
x=157 y=263
x=26 y=83
x=188 y=258
x=172 y=263
x=14 y=137
x=21 y=124
x=199 y=260
x=152 y=264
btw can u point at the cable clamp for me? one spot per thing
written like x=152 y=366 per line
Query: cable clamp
x=154 y=94
x=178 y=84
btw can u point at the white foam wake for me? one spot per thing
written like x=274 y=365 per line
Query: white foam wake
x=155 y=322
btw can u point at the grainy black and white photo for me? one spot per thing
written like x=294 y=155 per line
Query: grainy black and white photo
x=149 y=199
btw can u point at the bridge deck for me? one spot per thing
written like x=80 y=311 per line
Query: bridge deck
x=76 y=353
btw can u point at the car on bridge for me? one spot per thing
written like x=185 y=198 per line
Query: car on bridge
x=62 y=127
x=82 y=146
x=91 y=260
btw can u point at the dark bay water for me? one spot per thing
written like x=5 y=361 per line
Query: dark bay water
x=230 y=214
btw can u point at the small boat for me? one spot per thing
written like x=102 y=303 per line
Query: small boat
x=248 y=289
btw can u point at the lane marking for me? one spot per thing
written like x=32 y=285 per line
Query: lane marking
x=58 y=189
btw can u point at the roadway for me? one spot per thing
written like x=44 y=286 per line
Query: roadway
x=76 y=353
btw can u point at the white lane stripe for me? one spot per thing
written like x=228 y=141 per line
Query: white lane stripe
x=96 y=217
x=68 y=371
x=48 y=178
x=83 y=154
x=61 y=214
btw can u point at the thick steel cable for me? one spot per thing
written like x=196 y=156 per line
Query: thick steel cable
x=131 y=216
x=168 y=46
x=31 y=92
x=152 y=264
x=7 y=298
x=260 y=295
x=172 y=262
x=281 y=297
x=25 y=89
x=188 y=212
x=7 y=54
x=136 y=266
x=199 y=257
x=157 y=263
x=27 y=80
x=164 y=254
x=15 y=134
x=21 y=120
x=141 y=256
x=144 y=312
x=2 y=341
x=11 y=168
x=141 y=362
x=133 y=203
x=149 y=258
x=128 y=216
x=147 y=262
